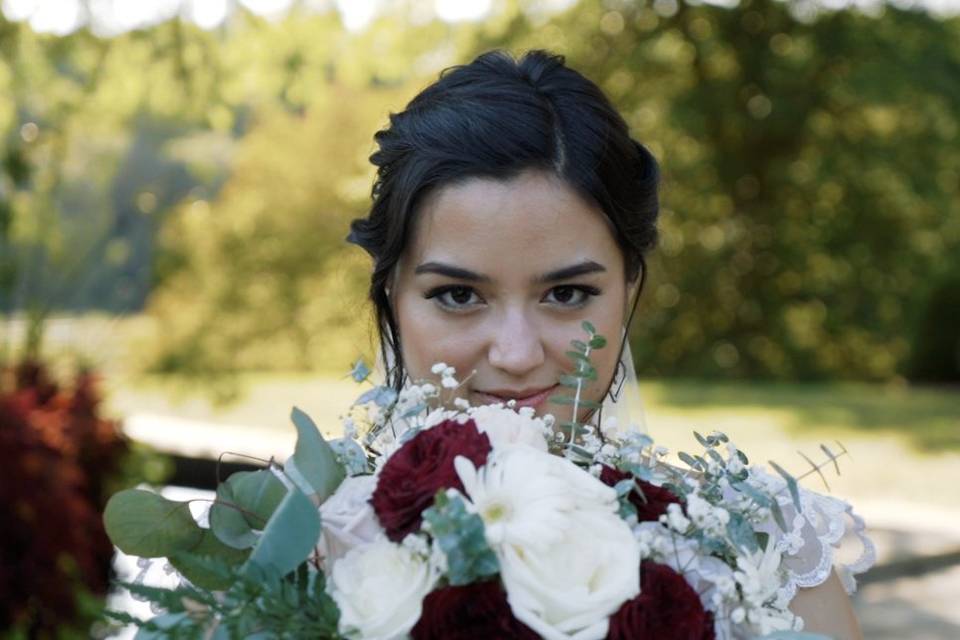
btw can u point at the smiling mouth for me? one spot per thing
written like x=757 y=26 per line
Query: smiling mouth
x=525 y=398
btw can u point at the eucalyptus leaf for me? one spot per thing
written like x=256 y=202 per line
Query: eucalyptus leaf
x=289 y=536
x=144 y=523
x=741 y=533
x=571 y=381
x=381 y=396
x=360 y=371
x=315 y=460
x=226 y=520
x=716 y=457
x=567 y=400
x=833 y=457
x=640 y=471
x=351 y=455
x=625 y=487
x=689 y=460
x=583 y=454
x=759 y=497
x=585 y=370
x=569 y=424
x=791 y=484
x=777 y=513
x=191 y=564
x=589 y=328
x=598 y=342
x=460 y=535
x=414 y=410
x=161 y=627
x=293 y=474
x=579 y=345
x=258 y=493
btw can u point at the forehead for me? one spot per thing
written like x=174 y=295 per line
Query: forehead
x=534 y=219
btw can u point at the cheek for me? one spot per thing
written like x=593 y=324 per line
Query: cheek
x=428 y=336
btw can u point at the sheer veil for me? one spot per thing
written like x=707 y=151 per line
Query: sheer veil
x=623 y=402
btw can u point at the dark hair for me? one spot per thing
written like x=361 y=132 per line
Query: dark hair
x=495 y=118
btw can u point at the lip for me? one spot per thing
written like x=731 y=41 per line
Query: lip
x=524 y=397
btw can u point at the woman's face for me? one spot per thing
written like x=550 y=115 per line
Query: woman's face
x=497 y=280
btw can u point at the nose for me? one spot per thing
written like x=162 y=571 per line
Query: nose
x=516 y=344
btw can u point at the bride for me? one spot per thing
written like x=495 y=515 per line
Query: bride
x=511 y=205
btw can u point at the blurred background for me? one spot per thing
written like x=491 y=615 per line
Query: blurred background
x=177 y=178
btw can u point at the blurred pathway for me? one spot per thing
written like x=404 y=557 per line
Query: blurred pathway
x=914 y=591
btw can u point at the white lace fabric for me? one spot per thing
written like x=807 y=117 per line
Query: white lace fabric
x=826 y=535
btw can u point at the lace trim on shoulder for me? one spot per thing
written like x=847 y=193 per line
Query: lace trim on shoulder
x=825 y=535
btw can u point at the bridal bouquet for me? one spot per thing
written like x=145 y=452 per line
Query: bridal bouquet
x=433 y=519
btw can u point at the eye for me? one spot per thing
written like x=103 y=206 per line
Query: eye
x=456 y=297
x=569 y=295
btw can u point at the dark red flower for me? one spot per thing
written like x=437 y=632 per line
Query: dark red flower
x=667 y=607
x=417 y=470
x=476 y=611
x=650 y=500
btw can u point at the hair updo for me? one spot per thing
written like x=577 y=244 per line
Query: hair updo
x=494 y=118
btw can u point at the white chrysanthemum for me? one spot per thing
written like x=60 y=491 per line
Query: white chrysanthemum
x=506 y=426
x=758 y=575
x=567 y=560
x=379 y=589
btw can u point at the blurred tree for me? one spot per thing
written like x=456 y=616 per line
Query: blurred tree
x=260 y=277
x=811 y=177
x=811 y=173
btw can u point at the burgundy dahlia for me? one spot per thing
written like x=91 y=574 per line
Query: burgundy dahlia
x=667 y=607
x=416 y=471
x=476 y=611
x=650 y=500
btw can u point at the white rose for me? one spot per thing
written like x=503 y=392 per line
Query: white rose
x=347 y=519
x=567 y=560
x=505 y=426
x=379 y=589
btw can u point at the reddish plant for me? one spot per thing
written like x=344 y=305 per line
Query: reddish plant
x=59 y=456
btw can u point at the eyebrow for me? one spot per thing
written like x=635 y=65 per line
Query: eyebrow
x=459 y=273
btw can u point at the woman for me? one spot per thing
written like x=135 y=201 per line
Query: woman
x=510 y=206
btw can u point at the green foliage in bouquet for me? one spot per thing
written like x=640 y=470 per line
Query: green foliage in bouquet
x=583 y=373
x=460 y=535
x=256 y=604
x=248 y=572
